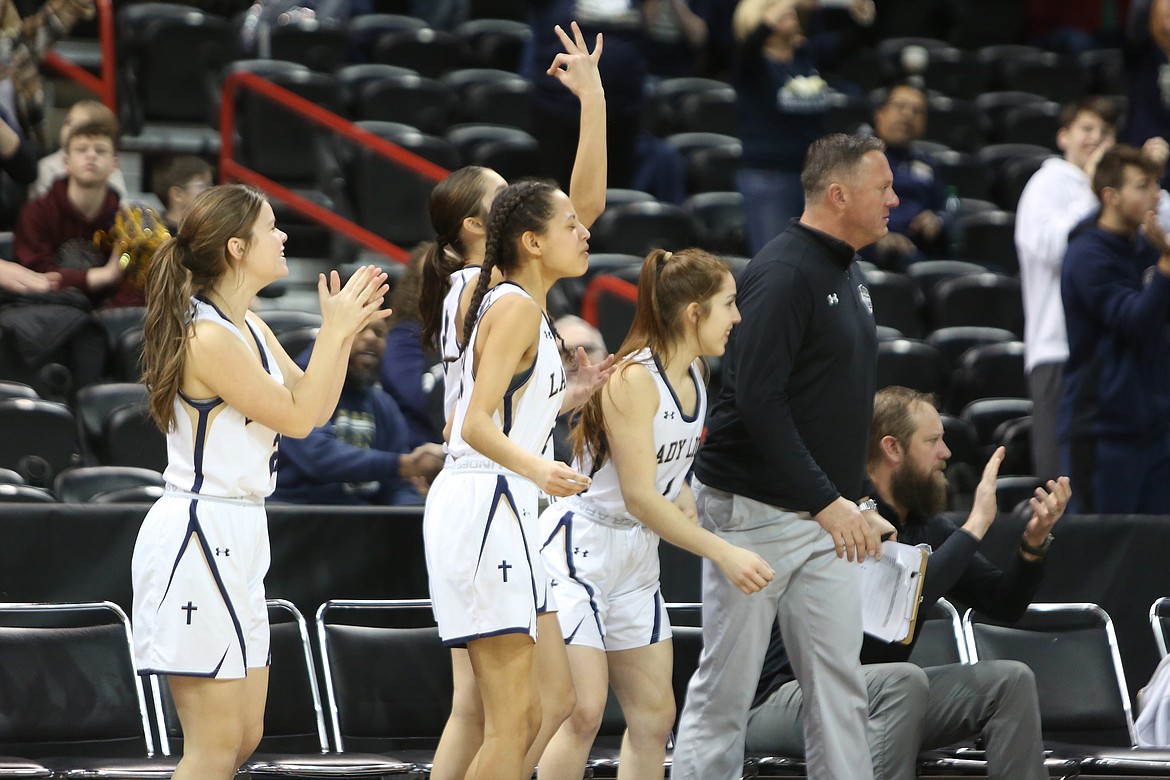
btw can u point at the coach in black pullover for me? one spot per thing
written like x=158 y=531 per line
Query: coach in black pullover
x=782 y=470
x=790 y=426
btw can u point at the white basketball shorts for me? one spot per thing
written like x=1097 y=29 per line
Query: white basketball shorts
x=198 y=574
x=486 y=577
x=606 y=580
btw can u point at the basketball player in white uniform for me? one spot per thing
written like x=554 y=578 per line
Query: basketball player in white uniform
x=224 y=392
x=637 y=439
x=487 y=580
x=458 y=207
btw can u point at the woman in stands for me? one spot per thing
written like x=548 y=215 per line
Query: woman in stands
x=486 y=578
x=224 y=392
x=782 y=101
x=459 y=206
x=637 y=439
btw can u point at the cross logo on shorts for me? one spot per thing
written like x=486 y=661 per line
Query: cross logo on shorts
x=189 y=608
x=579 y=551
x=504 y=566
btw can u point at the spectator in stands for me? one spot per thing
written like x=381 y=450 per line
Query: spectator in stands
x=1147 y=65
x=676 y=36
x=1114 y=423
x=1056 y=198
x=176 y=181
x=574 y=332
x=910 y=708
x=782 y=101
x=360 y=456
x=51 y=167
x=918 y=226
x=55 y=237
x=18 y=166
x=1075 y=26
x=55 y=233
x=406 y=364
x=15 y=278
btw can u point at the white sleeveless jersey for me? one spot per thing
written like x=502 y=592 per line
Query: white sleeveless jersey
x=450 y=334
x=676 y=438
x=214 y=450
x=533 y=399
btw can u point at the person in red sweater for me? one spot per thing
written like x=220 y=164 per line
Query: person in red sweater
x=55 y=232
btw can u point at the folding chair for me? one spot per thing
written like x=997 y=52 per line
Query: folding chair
x=1084 y=702
x=1160 y=622
x=295 y=743
x=83 y=707
x=387 y=678
x=941 y=640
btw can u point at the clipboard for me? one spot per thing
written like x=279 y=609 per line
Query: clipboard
x=891 y=590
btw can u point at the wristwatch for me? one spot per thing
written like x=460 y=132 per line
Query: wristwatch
x=1040 y=551
x=869 y=505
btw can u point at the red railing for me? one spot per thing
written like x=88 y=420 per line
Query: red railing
x=105 y=85
x=230 y=169
x=601 y=284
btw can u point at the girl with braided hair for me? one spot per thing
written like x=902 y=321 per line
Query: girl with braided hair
x=224 y=392
x=459 y=207
x=636 y=439
x=487 y=581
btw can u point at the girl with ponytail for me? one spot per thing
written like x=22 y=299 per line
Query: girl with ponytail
x=459 y=207
x=486 y=578
x=224 y=392
x=636 y=438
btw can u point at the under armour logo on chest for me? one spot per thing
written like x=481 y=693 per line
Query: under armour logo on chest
x=832 y=298
x=224 y=551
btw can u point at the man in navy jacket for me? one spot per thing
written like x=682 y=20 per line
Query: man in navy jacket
x=1114 y=424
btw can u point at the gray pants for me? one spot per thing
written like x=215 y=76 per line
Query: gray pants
x=817 y=597
x=1044 y=387
x=912 y=708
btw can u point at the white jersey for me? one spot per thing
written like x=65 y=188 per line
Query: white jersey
x=676 y=438
x=449 y=333
x=214 y=450
x=533 y=399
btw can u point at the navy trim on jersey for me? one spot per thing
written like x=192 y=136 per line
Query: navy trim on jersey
x=678 y=404
x=260 y=344
x=200 y=445
x=518 y=381
x=259 y=341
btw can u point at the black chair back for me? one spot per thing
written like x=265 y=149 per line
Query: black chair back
x=1072 y=651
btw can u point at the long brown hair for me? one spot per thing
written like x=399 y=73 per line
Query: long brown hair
x=453 y=200
x=667 y=285
x=187 y=264
x=521 y=207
